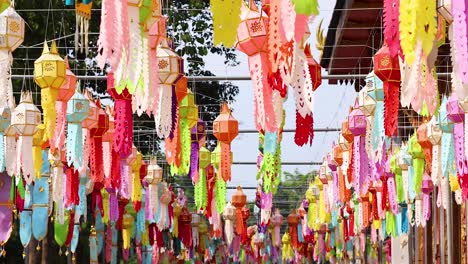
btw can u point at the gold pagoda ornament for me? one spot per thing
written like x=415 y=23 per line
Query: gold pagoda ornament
x=50 y=75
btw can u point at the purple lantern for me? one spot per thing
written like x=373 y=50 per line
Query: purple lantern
x=197 y=134
x=357 y=125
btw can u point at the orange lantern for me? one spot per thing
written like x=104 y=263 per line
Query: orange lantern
x=225 y=129
x=387 y=68
x=181 y=88
x=293 y=221
x=239 y=200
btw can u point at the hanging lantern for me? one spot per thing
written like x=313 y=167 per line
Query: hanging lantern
x=366 y=102
x=252 y=40
x=425 y=142
x=66 y=91
x=239 y=200
x=96 y=132
x=387 y=69
x=181 y=88
x=169 y=70
x=25 y=119
x=77 y=111
x=123 y=118
x=157 y=30
x=154 y=176
x=188 y=117
x=457 y=115
x=343 y=143
x=197 y=133
x=293 y=220
x=315 y=69
x=83 y=17
x=357 y=125
x=444 y=8
x=225 y=129
x=11 y=36
x=49 y=74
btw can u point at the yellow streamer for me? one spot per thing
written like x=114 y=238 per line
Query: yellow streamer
x=226 y=19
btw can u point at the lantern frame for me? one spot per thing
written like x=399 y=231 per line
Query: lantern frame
x=11 y=29
x=26 y=116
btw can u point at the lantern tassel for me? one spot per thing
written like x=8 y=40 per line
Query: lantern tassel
x=194 y=161
x=25 y=166
x=163 y=117
x=226 y=161
x=74 y=145
x=123 y=120
x=391 y=105
x=97 y=174
x=10 y=154
x=48 y=101
x=185 y=139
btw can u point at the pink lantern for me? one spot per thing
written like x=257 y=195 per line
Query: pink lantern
x=252 y=40
x=357 y=125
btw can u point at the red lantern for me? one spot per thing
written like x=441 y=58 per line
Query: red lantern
x=123 y=118
x=315 y=69
x=293 y=221
x=181 y=88
x=387 y=68
x=96 y=133
x=225 y=129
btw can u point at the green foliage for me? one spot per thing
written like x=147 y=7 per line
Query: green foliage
x=291 y=191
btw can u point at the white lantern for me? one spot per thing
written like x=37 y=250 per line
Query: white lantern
x=26 y=116
x=155 y=172
x=11 y=29
x=169 y=64
x=366 y=102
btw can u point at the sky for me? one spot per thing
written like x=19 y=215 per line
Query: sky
x=330 y=108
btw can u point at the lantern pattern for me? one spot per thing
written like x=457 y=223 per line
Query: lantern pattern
x=25 y=119
x=169 y=70
x=251 y=40
x=225 y=129
x=387 y=69
x=77 y=111
x=66 y=91
x=11 y=36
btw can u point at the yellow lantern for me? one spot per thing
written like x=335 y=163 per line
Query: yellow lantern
x=50 y=75
x=188 y=110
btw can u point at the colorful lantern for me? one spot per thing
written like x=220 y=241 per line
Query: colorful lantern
x=366 y=102
x=434 y=134
x=154 y=176
x=387 y=69
x=225 y=129
x=96 y=133
x=188 y=117
x=66 y=91
x=109 y=154
x=252 y=40
x=169 y=70
x=197 y=133
x=293 y=220
x=427 y=187
x=123 y=118
x=25 y=119
x=239 y=200
x=457 y=115
x=357 y=126
x=229 y=216
x=49 y=74
x=11 y=36
x=77 y=111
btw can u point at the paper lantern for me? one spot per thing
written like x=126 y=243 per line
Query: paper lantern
x=366 y=102
x=434 y=133
x=96 y=133
x=65 y=92
x=123 y=118
x=315 y=69
x=91 y=121
x=337 y=156
x=454 y=110
x=49 y=74
x=387 y=69
x=50 y=68
x=252 y=31
x=357 y=125
x=25 y=118
x=444 y=8
x=445 y=123
x=77 y=112
x=181 y=88
x=11 y=29
x=252 y=40
x=293 y=220
x=188 y=110
x=5 y=118
x=427 y=187
x=225 y=129
x=155 y=172
x=375 y=87
x=345 y=132
x=343 y=142
x=169 y=70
